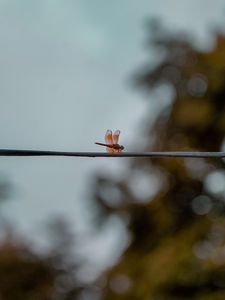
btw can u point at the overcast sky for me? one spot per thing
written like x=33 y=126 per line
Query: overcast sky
x=65 y=68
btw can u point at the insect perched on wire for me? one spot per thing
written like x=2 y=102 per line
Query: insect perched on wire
x=111 y=142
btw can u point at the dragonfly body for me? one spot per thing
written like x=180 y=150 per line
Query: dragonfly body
x=113 y=146
x=111 y=142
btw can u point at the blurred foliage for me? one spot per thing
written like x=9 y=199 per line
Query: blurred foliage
x=177 y=247
x=28 y=275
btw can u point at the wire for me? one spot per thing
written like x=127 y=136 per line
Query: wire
x=14 y=152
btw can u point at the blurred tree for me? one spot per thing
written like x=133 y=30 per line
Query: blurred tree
x=28 y=275
x=175 y=207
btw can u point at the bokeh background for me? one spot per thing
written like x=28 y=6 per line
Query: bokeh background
x=112 y=228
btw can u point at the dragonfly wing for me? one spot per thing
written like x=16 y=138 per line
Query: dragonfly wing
x=116 y=136
x=108 y=137
x=108 y=149
x=109 y=140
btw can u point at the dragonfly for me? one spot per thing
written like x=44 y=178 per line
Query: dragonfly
x=111 y=142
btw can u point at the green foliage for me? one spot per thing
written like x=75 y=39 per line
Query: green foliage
x=23 y=275
x=28 y=275
x=177 y=235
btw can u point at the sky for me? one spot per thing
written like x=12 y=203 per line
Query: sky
x=64 y=80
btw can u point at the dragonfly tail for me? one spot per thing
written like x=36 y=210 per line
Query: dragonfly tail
x=106 y=145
